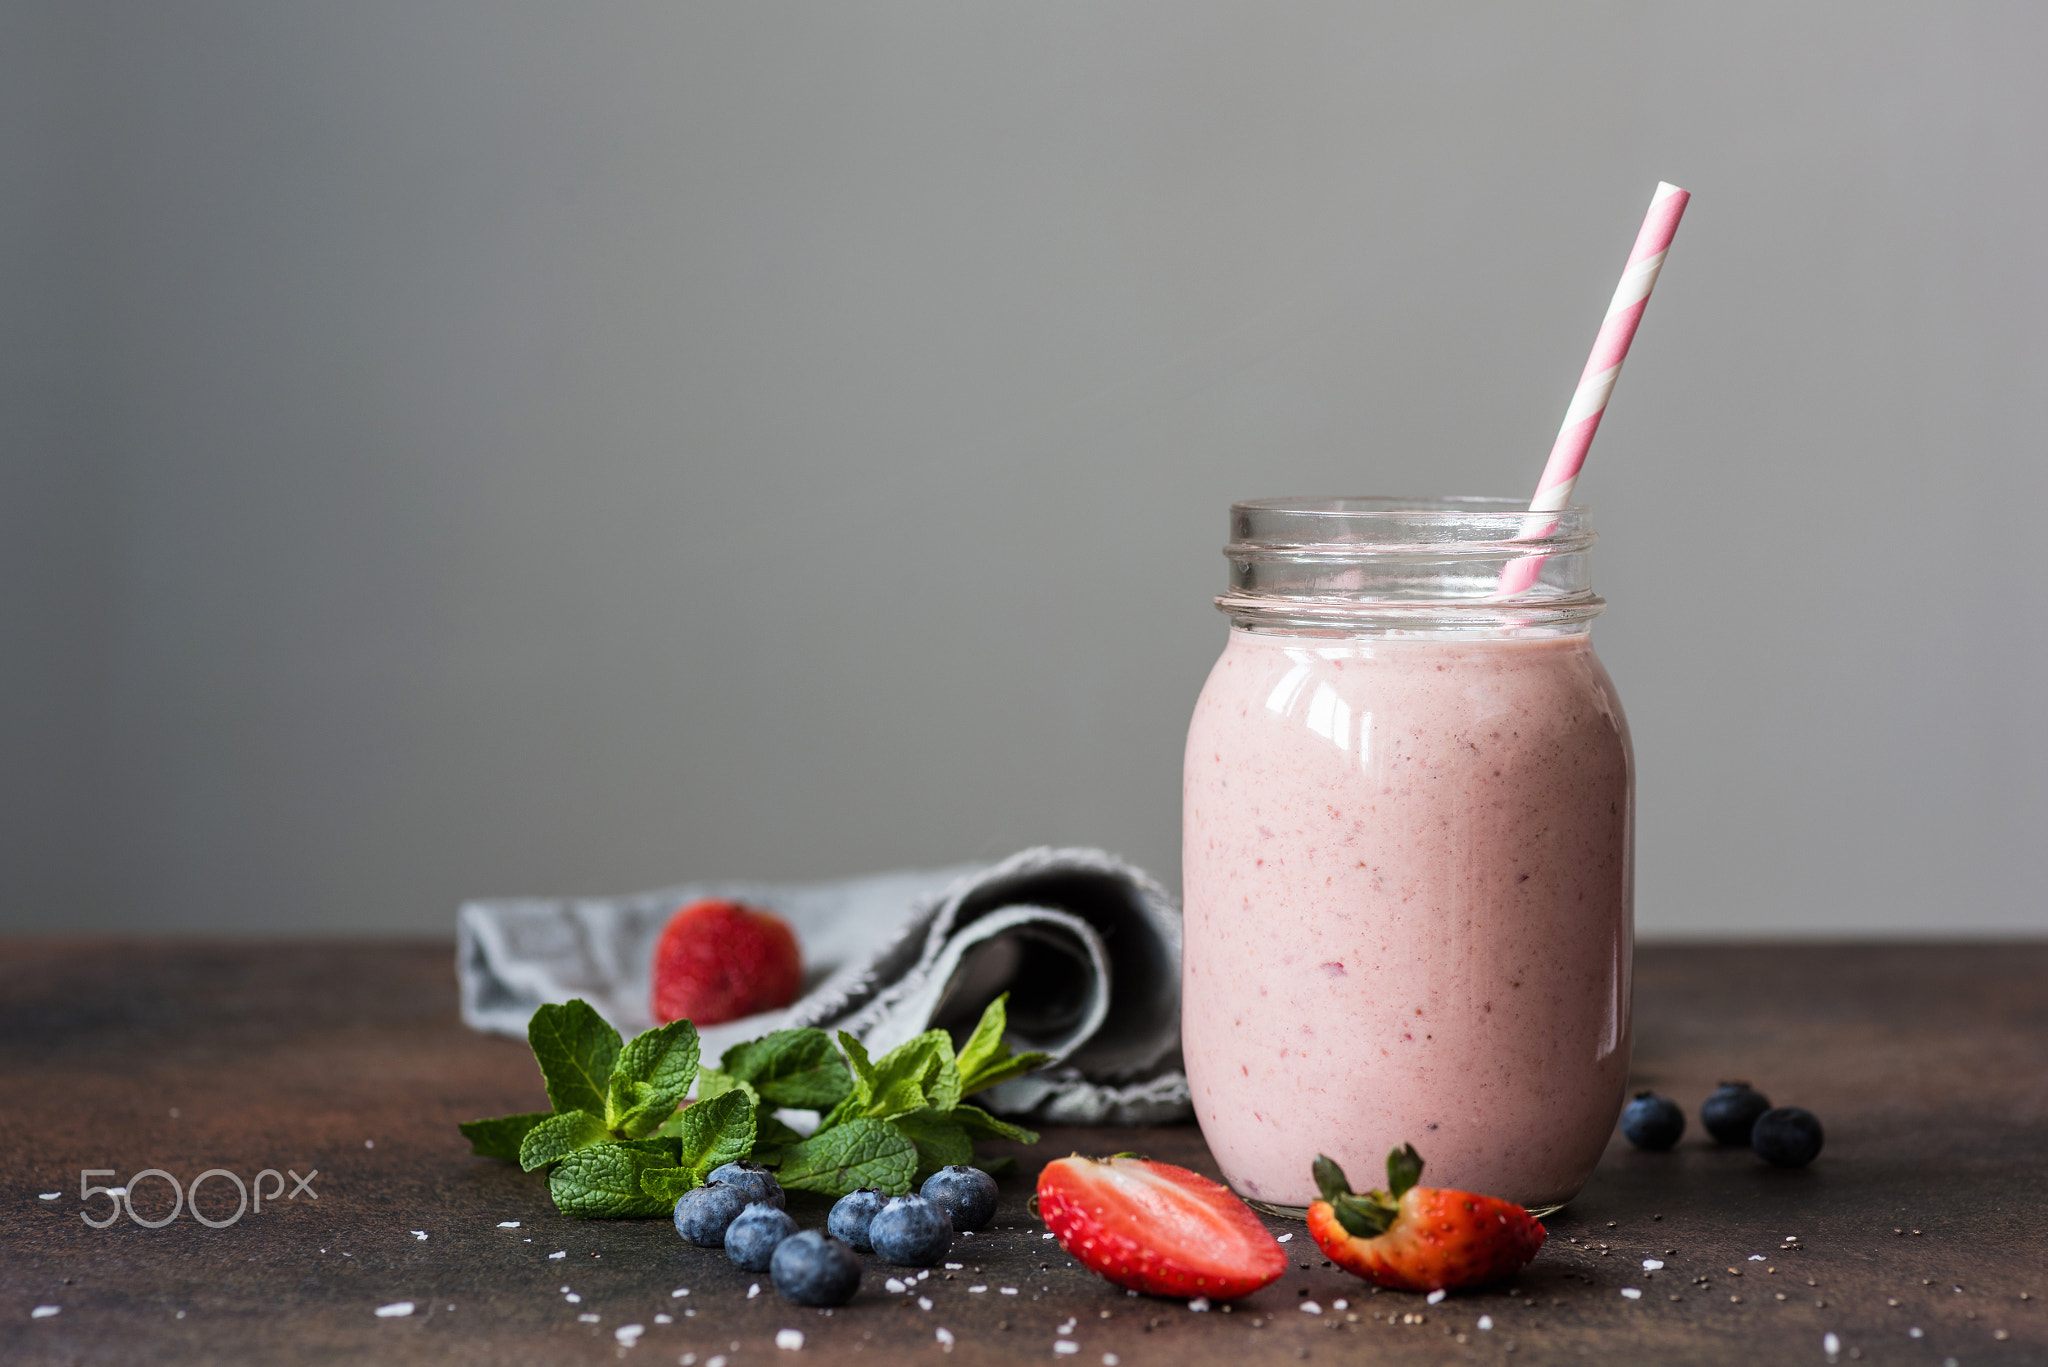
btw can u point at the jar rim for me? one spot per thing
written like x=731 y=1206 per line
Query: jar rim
x=1381 y=561
x=1384 y=505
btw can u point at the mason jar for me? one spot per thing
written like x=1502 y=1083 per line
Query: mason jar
x=1407 y=836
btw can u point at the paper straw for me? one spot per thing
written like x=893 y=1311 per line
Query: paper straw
x=1589 y=401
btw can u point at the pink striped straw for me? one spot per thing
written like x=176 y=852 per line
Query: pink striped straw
x=1589 y=401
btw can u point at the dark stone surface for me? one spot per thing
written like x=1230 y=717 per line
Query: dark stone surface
x=1927 y=1063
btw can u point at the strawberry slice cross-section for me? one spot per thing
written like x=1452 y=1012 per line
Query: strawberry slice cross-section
x=1156 y=1228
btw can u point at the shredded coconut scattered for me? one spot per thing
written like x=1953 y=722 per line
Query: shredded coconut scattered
x=1436 y=1296
x=49 y=1196
x=573 y=1298
x=43 y=1312
x=1652 y=1264
x=1064 y=1347
x=955 y=1267
x=1486 y=1321
x=1284 y=1238
x=1199 y=1304
x=895 y=1286
x=978 y=1289
x=664 y=1319
x=508 y=1224
x=924 y=1302
x=945 y=1338
x=1630 y=1293
x=394 y=1310
x=753 y=1290
x=629 y=1334
x=792 y=1339
x=1007 y=1290
x=420 y=1234
x=559 y=1253
x=1310 y=1308
x=679 y=1291
x=587 y=1317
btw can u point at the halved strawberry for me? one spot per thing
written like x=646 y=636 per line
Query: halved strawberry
x=1415 y=1238
x=1157 y=1228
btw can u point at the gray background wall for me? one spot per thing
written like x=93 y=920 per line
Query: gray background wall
x=472 y=447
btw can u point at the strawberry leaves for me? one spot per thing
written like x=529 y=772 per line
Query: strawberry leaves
x=615 y=1145
x=1404 y=1170
x=1365 y=1216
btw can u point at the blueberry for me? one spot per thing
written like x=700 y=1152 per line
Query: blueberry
x=968 y=1194
x=1787 y=1137
x=750 y=1240
x=1730 y=1112
x=703 y=1214
x=815 y=1269
x=756 y=1181
x=911 y=1232
x=1652 y=1121
x=852 y=1214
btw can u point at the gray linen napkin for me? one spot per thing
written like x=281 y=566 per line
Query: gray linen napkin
x=1087 y=946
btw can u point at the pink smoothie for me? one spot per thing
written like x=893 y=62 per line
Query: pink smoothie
x=1408 y=888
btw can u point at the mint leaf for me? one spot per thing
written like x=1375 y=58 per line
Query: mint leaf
x=979 y=1124
x=858 y=1065
x=986 y=1060
x=651 y=1076
x=941 y=1141
x=919 y=1060
x=667 y=1185
x=797 y=1068
x=711 y=1082
x=499 y=1138
x=985 y=1045
x=575 y=1049
x=772 y=1139
x=859 y=1153
x=558 y=1136
x=713 y=1133
x=894 y=1084
x=603 y=1182
x=1016 y=1066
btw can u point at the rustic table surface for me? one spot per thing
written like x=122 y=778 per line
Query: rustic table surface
x=1916 y=1238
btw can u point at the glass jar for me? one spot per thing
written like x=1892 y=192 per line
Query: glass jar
x=1407 y=838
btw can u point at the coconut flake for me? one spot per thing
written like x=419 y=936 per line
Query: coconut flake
x=394 y=1310
x=792 y=1339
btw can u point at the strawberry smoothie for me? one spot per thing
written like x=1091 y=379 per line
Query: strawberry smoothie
x=1408 y=892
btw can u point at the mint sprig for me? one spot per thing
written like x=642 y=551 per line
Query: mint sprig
x=616 y=1146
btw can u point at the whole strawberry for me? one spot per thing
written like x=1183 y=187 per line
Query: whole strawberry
x=718 y=961
x=1157 y=1228
x=1414 y=1238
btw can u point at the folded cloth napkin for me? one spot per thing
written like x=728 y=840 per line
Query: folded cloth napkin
x=1087 y=946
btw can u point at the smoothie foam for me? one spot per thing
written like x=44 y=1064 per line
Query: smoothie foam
x=1406 y=866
